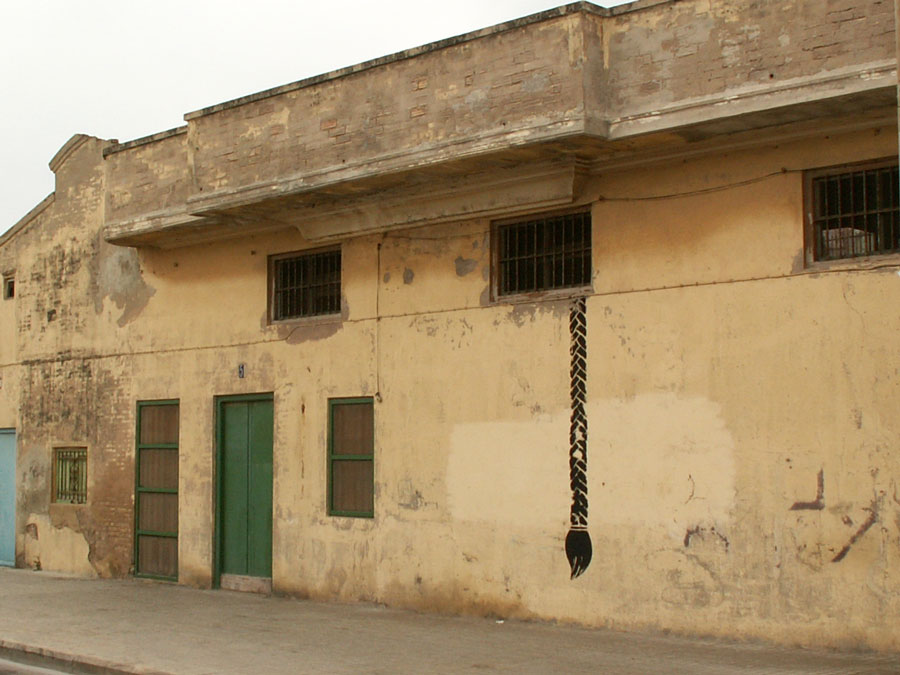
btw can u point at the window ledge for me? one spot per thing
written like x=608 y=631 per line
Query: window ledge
x=317 y=320
x=346 y=521
x=861 y=263
x=543 y=296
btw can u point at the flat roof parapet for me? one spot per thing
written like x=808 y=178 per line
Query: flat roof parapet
x=579 y=83
x=564 y=10
x=144 y=140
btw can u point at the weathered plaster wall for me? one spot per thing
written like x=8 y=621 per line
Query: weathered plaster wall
x=71 y=390
x=690 y=49
x=450 y=94
x=724 y=379
x=149 y=177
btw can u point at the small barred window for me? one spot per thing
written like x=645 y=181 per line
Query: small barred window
x=543 y=253
x=307 y=284
x=855 y=213
x=70 y=475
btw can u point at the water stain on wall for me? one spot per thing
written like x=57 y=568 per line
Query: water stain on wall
x=116 y=273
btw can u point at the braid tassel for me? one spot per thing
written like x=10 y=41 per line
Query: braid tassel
x=578 y=540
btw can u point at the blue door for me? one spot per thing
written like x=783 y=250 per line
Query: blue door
x=7 y=497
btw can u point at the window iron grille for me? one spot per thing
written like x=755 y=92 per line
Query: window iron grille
x=306 y=285
x=544 y=253
x=856 y=213
x=70 y=476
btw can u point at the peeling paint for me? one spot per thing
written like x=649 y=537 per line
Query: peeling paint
x=525 y=313
x=464 y=266
x=117 y=276
x=308 y=331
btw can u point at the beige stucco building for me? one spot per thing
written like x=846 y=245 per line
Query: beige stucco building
x=352 y=338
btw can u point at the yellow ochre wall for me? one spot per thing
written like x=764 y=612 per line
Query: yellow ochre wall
x=724 y=375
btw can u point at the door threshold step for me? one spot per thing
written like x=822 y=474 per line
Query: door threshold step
x=240 y=582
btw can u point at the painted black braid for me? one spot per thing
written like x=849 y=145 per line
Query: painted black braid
x=578 y=421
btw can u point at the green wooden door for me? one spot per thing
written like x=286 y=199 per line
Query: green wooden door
x=245 y=487
x=156 y=490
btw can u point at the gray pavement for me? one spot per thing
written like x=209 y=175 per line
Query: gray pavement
x=134 y=626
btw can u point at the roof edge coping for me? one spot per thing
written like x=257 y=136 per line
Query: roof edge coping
x=144 y=140
x=27 y=218
x=563 y=10
x=66 y=150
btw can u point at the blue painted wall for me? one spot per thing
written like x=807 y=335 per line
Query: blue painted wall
x=7 y=497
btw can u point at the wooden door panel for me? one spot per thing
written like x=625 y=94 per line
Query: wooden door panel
x=259 y=507
x=245 y=499
x=156 y=490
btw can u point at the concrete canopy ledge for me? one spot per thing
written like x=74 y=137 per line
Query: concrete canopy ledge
x=854 y=89
x=579 y=84
x=393 y=202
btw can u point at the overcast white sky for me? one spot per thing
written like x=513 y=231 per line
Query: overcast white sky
x=128 y=68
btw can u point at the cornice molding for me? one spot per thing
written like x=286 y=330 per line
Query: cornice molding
x=67 y=149
x=27 y=219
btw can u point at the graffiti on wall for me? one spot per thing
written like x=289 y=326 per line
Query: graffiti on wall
x=818 y=504
x=578 y=540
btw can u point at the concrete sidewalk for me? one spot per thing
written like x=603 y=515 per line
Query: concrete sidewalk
x=133 y=626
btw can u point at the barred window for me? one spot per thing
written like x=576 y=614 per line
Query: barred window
x=543 y=253
x=70 y=475
x=854 y=212
x=305 y=284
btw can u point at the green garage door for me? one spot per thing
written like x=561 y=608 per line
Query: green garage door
x=245 y=485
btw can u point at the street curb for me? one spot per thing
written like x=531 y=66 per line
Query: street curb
x=68 y=663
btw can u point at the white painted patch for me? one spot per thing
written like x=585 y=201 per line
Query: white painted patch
x=659 y=460
x=58 y=549
x=655 y=461
x=514 y=473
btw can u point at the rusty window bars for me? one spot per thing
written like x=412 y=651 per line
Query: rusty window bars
x=307 y=284
x=70 y=475
x=855 y=213
x=543 y=253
